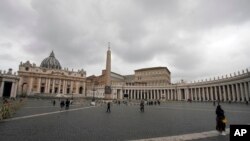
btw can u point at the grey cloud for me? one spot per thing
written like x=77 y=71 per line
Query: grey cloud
x=171 y=32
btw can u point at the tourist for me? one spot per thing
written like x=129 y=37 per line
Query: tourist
x=67 y=104
x=108 y=107
x=220 y=120
x=142 y=106
x=54 y=102
x=62 y=104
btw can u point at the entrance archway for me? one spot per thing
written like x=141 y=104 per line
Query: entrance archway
x=80 y=90
x=7 y=89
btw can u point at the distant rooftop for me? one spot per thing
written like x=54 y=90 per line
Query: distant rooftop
x=152 y=68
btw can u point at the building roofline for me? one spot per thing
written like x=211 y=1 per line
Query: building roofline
x=152 y=68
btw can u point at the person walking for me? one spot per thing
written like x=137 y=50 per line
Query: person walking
x=67 y=104
x=108 y=107
x=142 y=106
x=220 y=120
x=54 y=102
x=62 y=104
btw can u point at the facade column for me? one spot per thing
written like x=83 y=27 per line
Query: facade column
x=246 y=92
x=237 y=92
x=53 y=85
x=77 y=88
x=45 y=86
x=248 y=89
x=220 y=93
x=63 y=87
x=187 y=93
x=49 y=84
x=195 y=94
x=38 y=85
x=207 y=94
x=12 y=93
x=215 y=93
x=1 y=88
x=224 y=92
x=229 y=93
x=242 y=92
x=59 y=87
x=203 y=93
x=211 y=93
x=71 y=87
x=233 y=93
x=30 y=89
x=16 y=87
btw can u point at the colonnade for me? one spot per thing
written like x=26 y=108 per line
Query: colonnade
x=226 y=91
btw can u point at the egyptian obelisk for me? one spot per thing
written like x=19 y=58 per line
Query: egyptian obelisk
x=108 y=90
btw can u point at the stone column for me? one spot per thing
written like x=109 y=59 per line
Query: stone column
x=242 y=92
x=220 y=94
x=30 y=89
x=77 y=88
x=63 y=86
x=207 y=94
x=237 y=92
x=171 y=94
x=246 y=92
x=224 y=92
x=195 y=94
x=229 y=93
x=211 y=94
x=1 y=88
x=53 y=85
x=186 y=92
x=233 y=92
x=16 y=87
x=39 y=85
x=71 y=87
x=203 y=93
x=49 y=82
x=12 y=93
x=248 y=89
x=59 y=87
x=215 y=93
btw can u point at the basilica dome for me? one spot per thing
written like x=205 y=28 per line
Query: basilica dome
x=51 y=62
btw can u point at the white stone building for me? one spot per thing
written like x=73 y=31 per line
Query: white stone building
x=8 y=84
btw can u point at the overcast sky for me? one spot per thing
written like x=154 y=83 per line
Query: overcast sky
x=193 y=38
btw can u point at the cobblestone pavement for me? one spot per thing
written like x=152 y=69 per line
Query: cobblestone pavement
x=123 y=123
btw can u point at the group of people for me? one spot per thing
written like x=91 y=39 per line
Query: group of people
x=63 y=103
x=154 y=102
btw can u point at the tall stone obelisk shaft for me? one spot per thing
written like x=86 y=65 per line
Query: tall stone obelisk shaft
x=108 y=90
x=108 y=68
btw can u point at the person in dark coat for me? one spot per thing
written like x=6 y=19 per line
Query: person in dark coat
x=108 y=107
x=54 y=102
x=62 y=104
x=220 y=120
x=67 y=104
x=142 y=106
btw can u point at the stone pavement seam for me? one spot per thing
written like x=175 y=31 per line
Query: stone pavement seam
x=43 y=114
x=186 y=137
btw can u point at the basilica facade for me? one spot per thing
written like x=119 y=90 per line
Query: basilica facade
x=49 y=78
